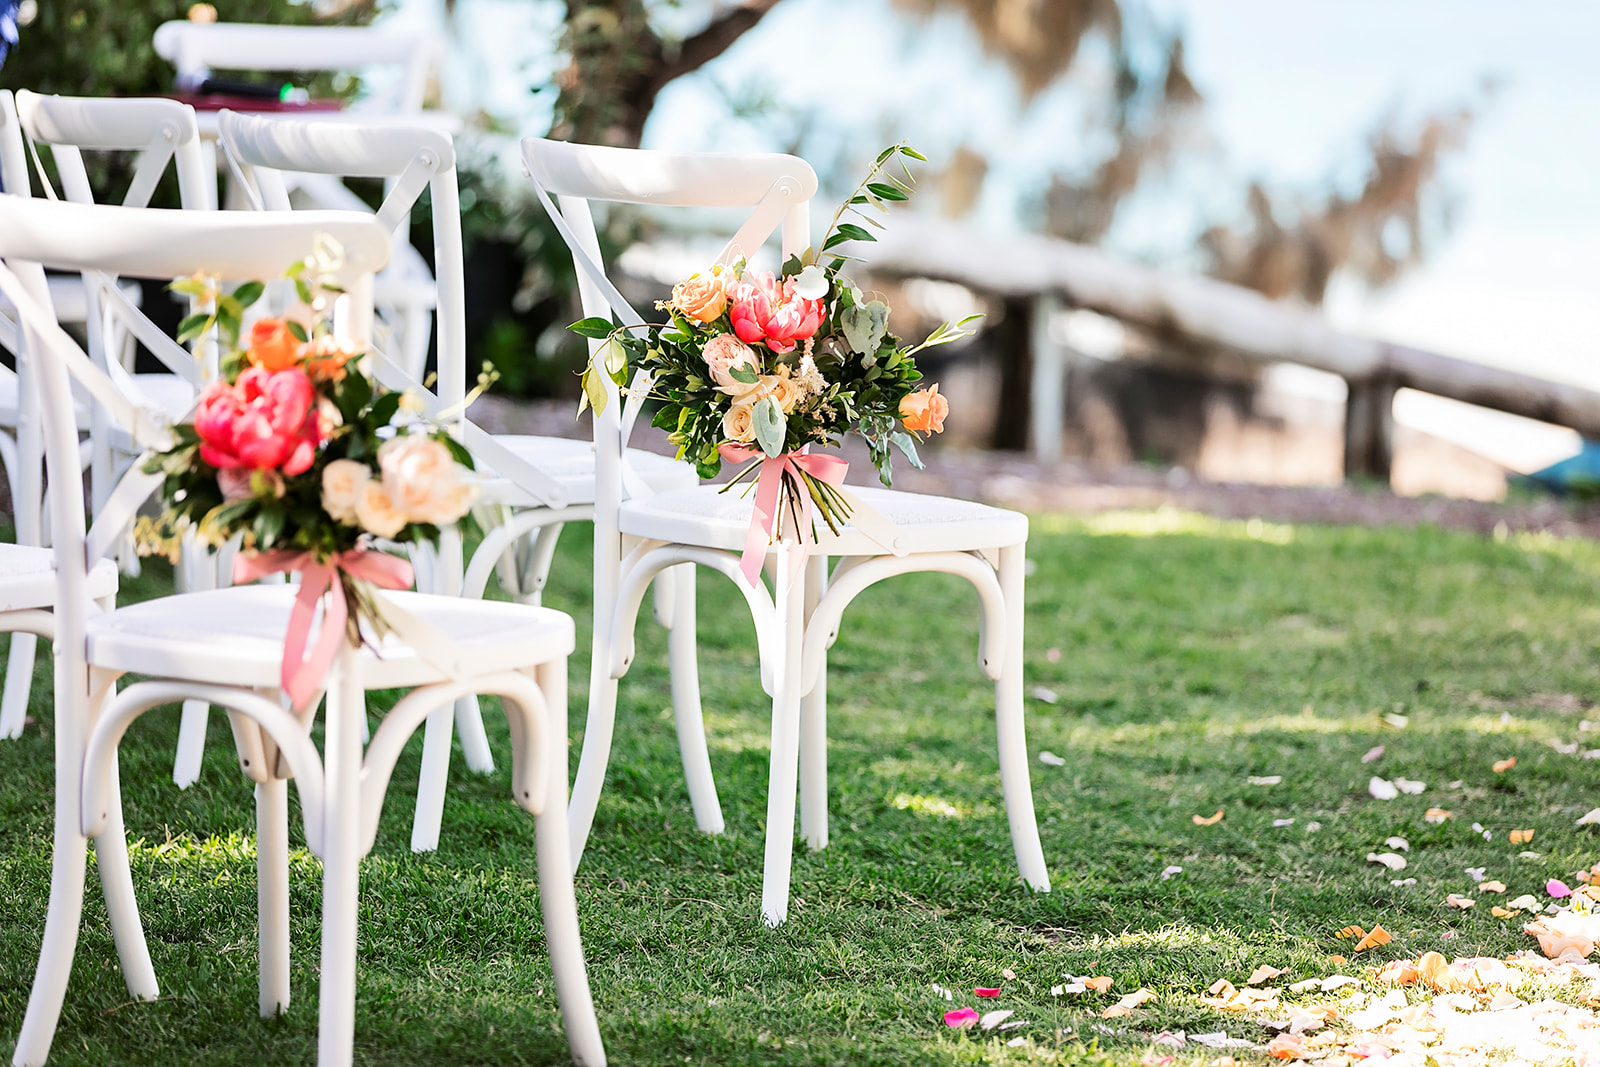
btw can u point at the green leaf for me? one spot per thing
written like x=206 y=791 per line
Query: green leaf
x=355 y=394
x=457 y=450
x=594 y=391
x=190 y=287
x=907 y=150
x=887 y=192
x=742 y=373
x=864 y=325
x=907 y=444
x=614 y=358
x=302 y=290
x=848 y=231
x=298 y=331
x=771 y=429
x=592 y=327
x=268 y=527
x=193 y=327
x=384 y=408
x=248 y=293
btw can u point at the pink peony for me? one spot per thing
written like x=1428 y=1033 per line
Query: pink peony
x=765 y=310
x=265 y=421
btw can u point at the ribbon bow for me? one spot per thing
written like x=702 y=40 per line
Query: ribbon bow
x=302 y=673
x=829 y=469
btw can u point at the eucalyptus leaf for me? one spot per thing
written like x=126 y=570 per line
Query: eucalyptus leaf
x=771 y=429
x=907 y=444
x=864 y=325
x=742 y=373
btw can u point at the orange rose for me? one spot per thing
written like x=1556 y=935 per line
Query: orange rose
x=702 y=297
x=924 y=410
x=327 y=358
x=272 y=346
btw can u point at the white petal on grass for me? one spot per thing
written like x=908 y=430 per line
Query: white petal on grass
x=1050 y=759
x=1592 y=817
x=1475 y=873
x=1017 y=1042
x=1398 y=842
x=1309 y=983
x=1406 y=785
x=992 y=1019
x=1382 y=789
x=1526 y=902
x=1039 y=692
x=1170 y=871
x=1013 y=1024
x=1282 y=822
x=1398 y=721
x=1313 y=827
x=1391 y=860
x=941 y=991
x=1268 y=779
x=1402 y=881
x=1220 y=1039
x=1338 y=981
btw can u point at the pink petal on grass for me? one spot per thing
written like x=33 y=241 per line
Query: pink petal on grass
x=982 y=992
x=1372 y=754
x=961 y=1017
x=1557 y=888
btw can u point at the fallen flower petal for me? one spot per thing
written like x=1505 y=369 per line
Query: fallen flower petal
x=1492 y=887
x=1114 y=1011
x=1382 y=789
x=1337 y=961
x=1391 y=860
x=1040 y=693
x=983 y=991
x=1057 y=990
x=992 y=1019
x=1517 y=837
x=1287 y=1047
x=1221 y=988
x=1050 y=759
x=1098 y=984
x=1008 y=974
x=1557 y=888
x=1372 y=754
x=1267 y=779
x=1589 y=819
x=1399 y=842
x=1261 y=974
x=1475 y=873
x=1526 y=902
x=1282 y=822
x=1456 y=900
x=1351 y=931
x=1136 y=998
x=1170 y=871
x=1202 y=821
x=1501 y=913
x=1402 y=881
x=1439 y=815
x=1396 y=720
x=1378 y=936
x=1501 y=766
x=1406 y=785
x=960 y=1018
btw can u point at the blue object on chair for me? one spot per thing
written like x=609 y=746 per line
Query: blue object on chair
x=1580 y=473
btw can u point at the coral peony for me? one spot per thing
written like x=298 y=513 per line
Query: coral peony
x=265 y=421
x=767 y=311
x=924 y=410
x=272 y=346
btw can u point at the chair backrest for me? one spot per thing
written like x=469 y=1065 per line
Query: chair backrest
x=150 y=244
x=196 y=48
x=13 y=153
x=410 y=159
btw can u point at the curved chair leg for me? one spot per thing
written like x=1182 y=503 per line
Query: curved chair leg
x=18 y=684
x=341 y=864
x=556 y=896
x=596 y=754
x=814 y=727
x=1009 y=729
x=272 y=893
x=782 y=781
x=116 y=882
x=683 y=657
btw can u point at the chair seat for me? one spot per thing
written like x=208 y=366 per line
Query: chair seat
x=710 y=518
x=235 y=637
x=571 y=462
x=28 y=578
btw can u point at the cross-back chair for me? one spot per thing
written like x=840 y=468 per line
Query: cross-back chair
x=638 y=535
x=541 y=483
x=225 y=646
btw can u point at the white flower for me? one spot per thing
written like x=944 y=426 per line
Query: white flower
x=377 y=512
x=809 y=378
x=342 y=483
x=424 y=480
x=811 y=283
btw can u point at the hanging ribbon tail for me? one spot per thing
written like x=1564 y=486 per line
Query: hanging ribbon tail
x=759 y=535
x=302 y=674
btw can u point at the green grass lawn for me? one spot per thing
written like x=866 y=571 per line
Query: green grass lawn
x=1186 y=656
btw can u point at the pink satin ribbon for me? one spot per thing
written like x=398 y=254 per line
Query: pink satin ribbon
x=302 y=673
x=829 y=469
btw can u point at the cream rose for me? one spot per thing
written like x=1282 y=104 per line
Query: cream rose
x=424 y=480
x=724 y=352
x=739 y=424
x=377 y=511
x=342 y=483
x=781 y=388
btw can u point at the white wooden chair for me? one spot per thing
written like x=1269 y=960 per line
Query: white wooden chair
x=225 y=646
x=542 y=483
x=637 y=536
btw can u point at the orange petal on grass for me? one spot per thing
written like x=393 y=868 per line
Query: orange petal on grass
x=1501 y=913
x=1099 y=984
x=1436 y=815
x=1262 y=974
x=1501 y=766
x=1221 y=988
x=1287 y=1047
x=1200 y=820
x=1519 y=836
x=1114 y=1011
x=1432 y=969
x=1351 y=931
x=1456 y=900
x=1337 y=960
x=1492 y=887
x=1378 y=936
x=1399 y=972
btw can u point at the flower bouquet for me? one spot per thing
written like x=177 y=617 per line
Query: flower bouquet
x=756 y=365
x=297 y=452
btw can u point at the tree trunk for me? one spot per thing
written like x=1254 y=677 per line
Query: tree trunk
x=1013 y=337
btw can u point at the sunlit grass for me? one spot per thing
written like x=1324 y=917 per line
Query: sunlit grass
x=1185 y=656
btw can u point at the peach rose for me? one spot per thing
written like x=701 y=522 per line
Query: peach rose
x=723 y=353
x=272 y=346
x=785 y=390
x=702 y=297
x=343 y=481
x=424 y=480
x=924 y=410
x=739 y=424
x=377 y=511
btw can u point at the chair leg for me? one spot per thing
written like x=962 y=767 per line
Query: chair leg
x=783 y=780
x=683 y=656
x=596 y=754
x=556 y=895
x=191 y=743
x=814 y=727
x=272 y=893
x=432 y=780
x=18 y=686
x=341 y=863
x=116 y=882
x=1010 y=731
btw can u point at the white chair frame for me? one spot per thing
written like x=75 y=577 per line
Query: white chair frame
x=533 y=501
x=638 y=537
x=341 y=792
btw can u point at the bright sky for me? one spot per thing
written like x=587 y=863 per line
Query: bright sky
x=1292 y=90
